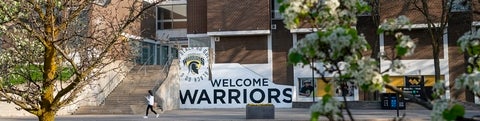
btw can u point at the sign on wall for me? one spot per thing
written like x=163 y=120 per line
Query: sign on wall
x=231 y=86
x=318 y=87
x=194 y=64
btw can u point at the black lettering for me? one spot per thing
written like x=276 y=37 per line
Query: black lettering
x=273 y=96
x=245 y=96
x=204 y=97
x=218 y=97
x=265 y=82
x=231 y=83
x=205 y=74
x=188 y=94
x=205 y=51
x=257 y=82
x=225 y=82
x=231 y=96
x=216 y=83
x=287 y=92
x=245 y=82
x=239 y=84
x=262 y=97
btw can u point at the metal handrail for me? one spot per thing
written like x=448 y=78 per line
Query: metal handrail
x=165 y=71
x=145 y=63
x=167 y=64
x=142 y=67
x=110 y=82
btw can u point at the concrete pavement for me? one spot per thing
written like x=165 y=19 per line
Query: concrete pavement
x=293 y=114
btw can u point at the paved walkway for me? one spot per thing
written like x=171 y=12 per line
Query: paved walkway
x=296 y=114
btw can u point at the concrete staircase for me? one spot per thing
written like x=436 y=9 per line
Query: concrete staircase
x=129 y=96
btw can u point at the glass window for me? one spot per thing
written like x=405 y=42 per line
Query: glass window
x=164 y=57
x=164 y=12
x=275 y=10
x=461 y=5
x=199 y=42
x=172 y=16
x=179 y=11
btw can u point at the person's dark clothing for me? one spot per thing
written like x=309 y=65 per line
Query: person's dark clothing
x=151 y=109
x=306 y=89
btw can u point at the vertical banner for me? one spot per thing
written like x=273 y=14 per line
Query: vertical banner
x=231 y=85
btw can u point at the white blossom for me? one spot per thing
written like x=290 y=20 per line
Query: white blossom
x=468 y=80
x=329 y=12
x=405 y=42
x=329 y=108
x=398 y=66
x=438 y=107
x=469 y=40
x=332 y=5
x=367 y=74
x=395 y=24
x=439 y=88
x=296 y=8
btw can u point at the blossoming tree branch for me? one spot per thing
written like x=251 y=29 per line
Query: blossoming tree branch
x=340 y=49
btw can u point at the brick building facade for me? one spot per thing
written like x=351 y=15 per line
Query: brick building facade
x=252 y=34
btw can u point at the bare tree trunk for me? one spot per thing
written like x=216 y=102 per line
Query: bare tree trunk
x=346 y=106
x=48 y=115
x=436 y=59
x=48 y=85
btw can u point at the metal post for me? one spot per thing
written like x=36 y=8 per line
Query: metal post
x=313 y=82
x=398 y=104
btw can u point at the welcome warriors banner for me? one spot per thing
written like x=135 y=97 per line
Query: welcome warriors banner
x=231 y=85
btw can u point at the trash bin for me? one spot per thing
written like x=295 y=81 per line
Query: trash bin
x=389 y=101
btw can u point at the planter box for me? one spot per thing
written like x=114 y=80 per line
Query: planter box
x=260 y=111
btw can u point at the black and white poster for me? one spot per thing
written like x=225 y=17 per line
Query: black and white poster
x=232 y=85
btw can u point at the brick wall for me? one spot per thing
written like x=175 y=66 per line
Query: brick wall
x=196 y=16
x=281 y=44
x=458 y=25
x=235 y=15
x=423 y=49
x=242 y=49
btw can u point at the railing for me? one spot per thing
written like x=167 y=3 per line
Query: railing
x=110 y=85
x=145 y=63
x=165 y=70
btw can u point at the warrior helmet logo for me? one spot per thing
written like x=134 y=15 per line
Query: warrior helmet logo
x=193 y=63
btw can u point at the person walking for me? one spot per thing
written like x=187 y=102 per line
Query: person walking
x=150 y=103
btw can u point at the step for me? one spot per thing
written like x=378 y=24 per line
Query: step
x=88 y=110
x=124 y=101
x=148 y=67
x=129 y=96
